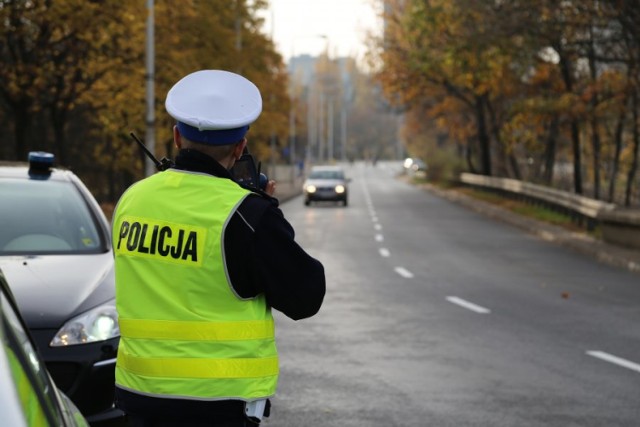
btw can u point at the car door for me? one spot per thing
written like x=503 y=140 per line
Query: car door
x=28 y=396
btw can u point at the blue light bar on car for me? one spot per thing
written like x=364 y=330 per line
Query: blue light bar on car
x=40 y=164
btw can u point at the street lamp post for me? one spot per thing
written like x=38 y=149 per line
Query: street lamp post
x=330 y=130
x=149 y=136
x=321 y=128
x=292 y=120
x=292 y=99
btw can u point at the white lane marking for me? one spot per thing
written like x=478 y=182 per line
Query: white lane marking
x=378 y=227
x=468 y=305
x=379 y=237
x=614 y=359
x=384 y=252
x=404 y=272
x=374 y=218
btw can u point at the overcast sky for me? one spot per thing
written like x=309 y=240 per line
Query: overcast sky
x=307 y=26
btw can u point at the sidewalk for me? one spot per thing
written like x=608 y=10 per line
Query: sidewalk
x=286 y=190
x=616 y=256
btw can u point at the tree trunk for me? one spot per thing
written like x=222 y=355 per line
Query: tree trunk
x=615 y=166
x=550 y=150
x=58 y=123
x=636 y=151
x=21 y=125
x=509 y=157
x=595 y=141
x=515 y=168
x=577 y=157
x=595 y=128
x=565 y=68
x=469 y=156
x=483 y=136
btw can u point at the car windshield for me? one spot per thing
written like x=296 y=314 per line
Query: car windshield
x=326 y=174
x=46 y=217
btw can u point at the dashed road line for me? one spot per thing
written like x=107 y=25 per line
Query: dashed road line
x=404 y=272
x=468 y=305
x=384 y=252
x=614 y=359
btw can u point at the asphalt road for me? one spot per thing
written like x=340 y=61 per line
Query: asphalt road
x=438 y=316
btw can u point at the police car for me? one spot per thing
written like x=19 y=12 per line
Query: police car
x=28 y=396
x=56 y=254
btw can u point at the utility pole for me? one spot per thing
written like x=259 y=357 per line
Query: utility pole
x=292 y=114
x=293 y=104
x=150 y=134
x=238 y=27
x=343 y=132
x=330 y=155
x=321 y=128
x=311 y=128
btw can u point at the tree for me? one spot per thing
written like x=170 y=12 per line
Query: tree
x=447 y=50
x=53 y=54
x=519 y=80
x=74 y=77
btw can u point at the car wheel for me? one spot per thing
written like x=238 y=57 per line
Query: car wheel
x=307 y=202
x=344 y=203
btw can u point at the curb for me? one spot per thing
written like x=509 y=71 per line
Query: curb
x=286 y=192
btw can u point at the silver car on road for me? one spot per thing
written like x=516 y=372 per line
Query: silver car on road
x=326 y=183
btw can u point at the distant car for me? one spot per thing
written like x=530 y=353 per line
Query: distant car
x=415 y=166
x=28 y=395
x=56 y=254
x=326 y=183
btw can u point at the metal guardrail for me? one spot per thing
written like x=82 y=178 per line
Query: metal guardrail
x=619 y=226
x=581 y=209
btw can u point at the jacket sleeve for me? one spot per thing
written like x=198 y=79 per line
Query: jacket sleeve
x=271 y=261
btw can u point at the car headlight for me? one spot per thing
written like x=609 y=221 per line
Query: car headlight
x=340 y=189
x=97 y=324
x=311 y=188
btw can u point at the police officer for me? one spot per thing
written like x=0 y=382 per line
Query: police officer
x=199 y=262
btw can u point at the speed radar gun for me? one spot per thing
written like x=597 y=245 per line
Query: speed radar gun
x=246 y=173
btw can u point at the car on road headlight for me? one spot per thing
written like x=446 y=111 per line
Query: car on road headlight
x=414 y=166
x=28 y=395
x=326 y=183
x=56 y=254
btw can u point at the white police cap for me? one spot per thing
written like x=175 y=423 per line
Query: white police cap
x=214 y=107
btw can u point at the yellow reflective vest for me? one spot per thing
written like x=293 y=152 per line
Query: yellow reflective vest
x=184 y=331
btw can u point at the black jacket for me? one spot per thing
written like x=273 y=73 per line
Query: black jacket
x=262 y=257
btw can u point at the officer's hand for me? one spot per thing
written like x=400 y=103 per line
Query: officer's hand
x=270 y=188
